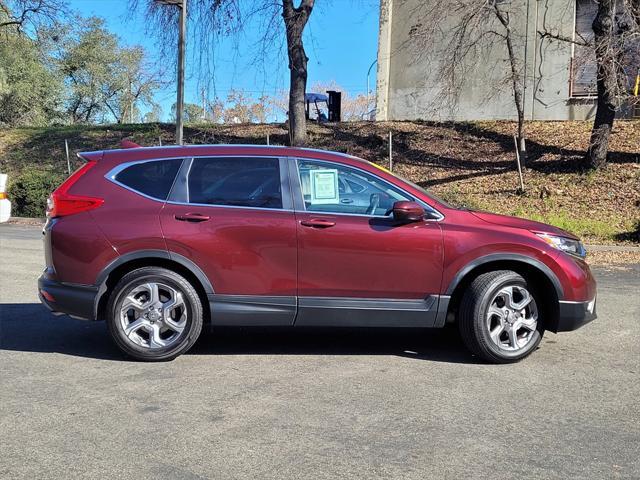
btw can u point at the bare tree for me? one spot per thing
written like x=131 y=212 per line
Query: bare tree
x=616 y=24
x=241 y=108
x=22 y=14
x=209 y=19
x=467 y=31
x=516 y=75
x=615 y=48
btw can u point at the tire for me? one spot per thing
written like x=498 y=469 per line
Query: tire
x=156 y=323
x=490 y=321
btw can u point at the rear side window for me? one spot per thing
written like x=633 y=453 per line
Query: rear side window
x=240 y=182
x=153 y=178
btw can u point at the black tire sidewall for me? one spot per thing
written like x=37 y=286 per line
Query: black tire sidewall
x=192 y=304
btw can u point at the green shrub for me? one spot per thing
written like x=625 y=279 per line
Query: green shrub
x=28 y=192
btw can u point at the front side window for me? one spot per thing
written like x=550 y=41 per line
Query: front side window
x=239 y=182
x=332 y=188
x=153 y=178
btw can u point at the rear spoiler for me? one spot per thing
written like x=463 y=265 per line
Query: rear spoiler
x=128 y=144
x=98 y=154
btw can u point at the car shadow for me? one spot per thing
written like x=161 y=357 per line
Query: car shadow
x=30 y=327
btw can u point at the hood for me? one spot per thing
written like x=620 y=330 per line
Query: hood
x=516 y=222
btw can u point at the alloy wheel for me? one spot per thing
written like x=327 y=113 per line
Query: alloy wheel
x=512 y=318
x=153 y=315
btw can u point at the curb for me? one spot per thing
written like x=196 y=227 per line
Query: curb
x=26 y=221
x=612 y=248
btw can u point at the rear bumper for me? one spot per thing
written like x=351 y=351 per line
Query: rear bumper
x=77 y=301
x=573 y=315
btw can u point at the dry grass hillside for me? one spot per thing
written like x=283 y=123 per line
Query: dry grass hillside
x=465 y=163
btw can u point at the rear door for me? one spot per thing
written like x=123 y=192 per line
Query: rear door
x=357 y=266
x=232 y=216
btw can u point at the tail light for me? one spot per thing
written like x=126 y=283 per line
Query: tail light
x=62 y=203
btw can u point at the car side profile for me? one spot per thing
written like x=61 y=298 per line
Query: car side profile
x=161 y=242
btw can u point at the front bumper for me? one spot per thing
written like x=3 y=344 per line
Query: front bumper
x=573 y=315
x=77 y=301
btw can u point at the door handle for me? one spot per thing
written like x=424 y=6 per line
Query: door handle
x=317 y=223
x=192 y=217
x=346 y=200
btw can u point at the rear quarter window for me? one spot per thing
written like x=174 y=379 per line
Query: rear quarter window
x=153 y=178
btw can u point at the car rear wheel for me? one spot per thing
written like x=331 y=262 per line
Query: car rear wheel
x=154 y=314
x=499 y=317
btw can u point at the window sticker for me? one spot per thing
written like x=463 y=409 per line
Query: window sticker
x=324 y=187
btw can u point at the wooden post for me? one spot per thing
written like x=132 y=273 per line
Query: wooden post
x=66 y=148
x=160 y=139
x=515 y=142
x=390 y=151
x=268 y=139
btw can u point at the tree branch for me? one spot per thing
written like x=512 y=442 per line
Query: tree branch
x=562 y=38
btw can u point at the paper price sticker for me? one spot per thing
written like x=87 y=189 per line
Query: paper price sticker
x=324 y=187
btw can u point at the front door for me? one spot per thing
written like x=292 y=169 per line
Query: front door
x=356 y=265
x=232 y=217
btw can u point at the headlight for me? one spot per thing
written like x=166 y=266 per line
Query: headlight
x=567 y=245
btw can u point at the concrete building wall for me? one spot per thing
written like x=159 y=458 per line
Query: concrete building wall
x=409 y=85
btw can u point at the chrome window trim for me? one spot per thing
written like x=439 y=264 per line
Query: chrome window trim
x=413 y=197
x=169 y=202
x=111 y=175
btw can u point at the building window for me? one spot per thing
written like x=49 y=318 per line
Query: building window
x=584 y=70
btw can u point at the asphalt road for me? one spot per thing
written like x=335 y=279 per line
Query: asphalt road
x=262 y=404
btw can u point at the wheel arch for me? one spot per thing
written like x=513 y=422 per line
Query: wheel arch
x=151 y=258
x=530 y=268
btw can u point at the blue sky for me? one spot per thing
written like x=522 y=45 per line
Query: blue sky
x=340 y=41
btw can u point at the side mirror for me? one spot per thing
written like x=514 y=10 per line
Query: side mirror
x=407 y=212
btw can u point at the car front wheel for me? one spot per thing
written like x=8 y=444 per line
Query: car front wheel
x=499 y=317
x=154 y=314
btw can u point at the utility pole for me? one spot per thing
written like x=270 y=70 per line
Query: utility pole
x=180 y=100
x=182 y=27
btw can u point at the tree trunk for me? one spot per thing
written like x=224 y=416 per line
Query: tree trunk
x=606 y=58
x=516 y=81
x=518 y=98
x=295 y=20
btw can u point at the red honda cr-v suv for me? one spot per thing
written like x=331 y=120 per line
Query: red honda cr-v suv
x=159 y=241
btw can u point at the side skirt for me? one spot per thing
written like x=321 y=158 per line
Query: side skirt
x=258 y=310
x=366 y=312
x=252 y=310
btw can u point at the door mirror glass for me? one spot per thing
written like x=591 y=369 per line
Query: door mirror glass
x=407 y=212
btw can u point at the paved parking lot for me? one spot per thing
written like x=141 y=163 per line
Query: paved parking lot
x=328 y=404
